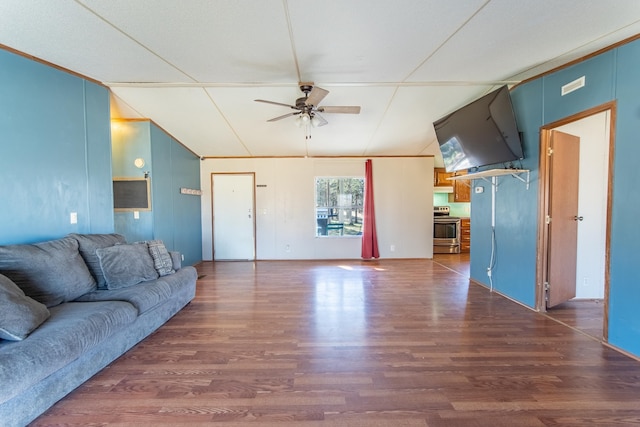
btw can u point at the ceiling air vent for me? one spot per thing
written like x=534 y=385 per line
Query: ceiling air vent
x=574 y=85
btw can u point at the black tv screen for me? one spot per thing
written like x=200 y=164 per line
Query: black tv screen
x=481 y=133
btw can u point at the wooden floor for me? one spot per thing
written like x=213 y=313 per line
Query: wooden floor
x=351 y=343
x=585 y=315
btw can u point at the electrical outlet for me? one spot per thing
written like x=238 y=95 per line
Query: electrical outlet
x=136 y=215
x=393 y=248
x=73 y=217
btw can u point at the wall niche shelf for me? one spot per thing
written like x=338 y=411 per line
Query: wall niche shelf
x=516 y=173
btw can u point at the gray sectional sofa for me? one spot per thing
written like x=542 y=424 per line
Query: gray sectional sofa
x=71 y=306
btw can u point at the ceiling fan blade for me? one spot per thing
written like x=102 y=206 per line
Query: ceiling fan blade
x=284 y=116
x=316 y=95
x=345 y=109
x=320 y=120
x=276 y=103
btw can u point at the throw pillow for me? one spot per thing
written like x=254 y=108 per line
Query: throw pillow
x=161 y=258
x=88 y=243
x=19 y=314
x=50 y=272
x=126 y=265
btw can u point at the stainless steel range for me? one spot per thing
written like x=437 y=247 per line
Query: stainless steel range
x=446 y=231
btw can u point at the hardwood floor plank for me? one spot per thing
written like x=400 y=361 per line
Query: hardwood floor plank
x=586 y=315
x=354 y=343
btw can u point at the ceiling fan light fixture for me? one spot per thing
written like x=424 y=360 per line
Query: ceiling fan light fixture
x=303 y=120
x=307 y=108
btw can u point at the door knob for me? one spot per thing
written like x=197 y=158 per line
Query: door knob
x=578 y=218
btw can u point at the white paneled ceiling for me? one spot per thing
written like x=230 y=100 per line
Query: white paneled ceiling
x=195 y=67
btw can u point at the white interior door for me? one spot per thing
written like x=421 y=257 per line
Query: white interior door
x=233 y=216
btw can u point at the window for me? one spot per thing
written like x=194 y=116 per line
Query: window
x=339 y=206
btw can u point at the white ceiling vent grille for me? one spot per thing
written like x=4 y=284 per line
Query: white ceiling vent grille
x=574 y=85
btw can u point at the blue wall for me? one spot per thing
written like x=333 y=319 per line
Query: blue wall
x=131 y=140
x=181 y=222
x=624 y=296
x=56 y=158
x=55 y=153
x=609 y=76
x=174 y=218
x=514 y=268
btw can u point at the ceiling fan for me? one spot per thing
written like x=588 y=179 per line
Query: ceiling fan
x=307 y=107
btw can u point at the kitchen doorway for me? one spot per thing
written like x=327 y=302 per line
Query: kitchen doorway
x=587 y=311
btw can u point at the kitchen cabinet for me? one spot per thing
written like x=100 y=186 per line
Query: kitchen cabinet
x=461 y=189
x=465 y=234
x=440 y=178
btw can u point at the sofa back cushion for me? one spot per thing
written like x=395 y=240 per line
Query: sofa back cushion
x=161 y=259
x=126 y=265
x=88 y=244
x=49 y=272
x=19 y=314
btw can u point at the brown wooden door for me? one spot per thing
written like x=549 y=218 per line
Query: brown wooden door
x=562 y=250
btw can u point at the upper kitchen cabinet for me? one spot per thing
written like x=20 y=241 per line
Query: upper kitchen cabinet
x=440 y=178
x=461 y=189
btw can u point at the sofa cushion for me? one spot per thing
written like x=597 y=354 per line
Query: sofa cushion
x=73 y=329
x=144 y=296
x=88 y=243
x=147 y=295
x=19 y=314
x=126 y=265
x=176 y=260
x=161 y=258
x=49 y=272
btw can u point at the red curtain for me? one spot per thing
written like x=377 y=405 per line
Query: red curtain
x=369 y=235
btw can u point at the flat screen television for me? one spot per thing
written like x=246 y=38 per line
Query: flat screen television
x=481 y=133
